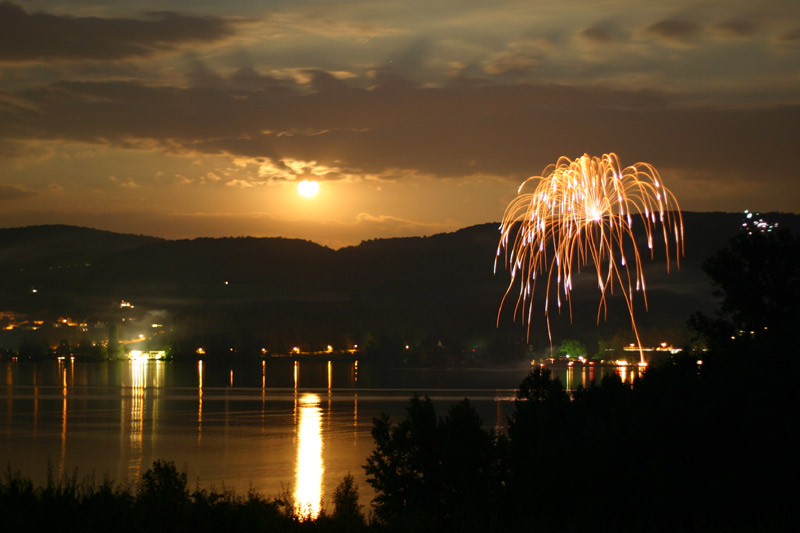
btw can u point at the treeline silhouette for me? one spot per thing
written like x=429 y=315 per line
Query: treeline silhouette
x=239 y=295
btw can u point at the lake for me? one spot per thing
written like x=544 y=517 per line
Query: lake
x=266 y=425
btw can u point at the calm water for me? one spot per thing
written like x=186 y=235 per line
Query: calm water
x=260 y=425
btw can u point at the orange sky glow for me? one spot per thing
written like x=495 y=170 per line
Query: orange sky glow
x=415 y=118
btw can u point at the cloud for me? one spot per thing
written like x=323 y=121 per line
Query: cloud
x=14 y=192
x=791 y=37
x=597 y=35
x=512 y=63
x=293 y=23
x=673 y=30
x=737 y=28
x=19 y=151
x=397 y=226
x=244 y=184
x=26 y=36
x=398 y=129
x=519 y=57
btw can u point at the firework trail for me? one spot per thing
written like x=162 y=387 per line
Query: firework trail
x=581 y=213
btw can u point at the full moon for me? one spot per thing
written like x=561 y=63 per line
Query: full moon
x=308 y=188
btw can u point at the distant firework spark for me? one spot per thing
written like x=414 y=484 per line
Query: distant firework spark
x=583 y=212
x=754 y=223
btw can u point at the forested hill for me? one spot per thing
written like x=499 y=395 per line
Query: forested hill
x=60 y=245
x=442 y=285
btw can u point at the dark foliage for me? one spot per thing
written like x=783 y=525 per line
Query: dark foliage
x=687 y=447
x=434 y=473
x=160 y=501
x=758 y=278
x=347 y=514
x=682 y=449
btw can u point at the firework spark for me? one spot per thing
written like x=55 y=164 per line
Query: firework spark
x=583 y=212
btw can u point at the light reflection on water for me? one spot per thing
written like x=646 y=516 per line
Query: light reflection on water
x=199 y=402
x=63 y=419
x=309 y=466
x=591 y=374
x=304 y=424
x=142 y=378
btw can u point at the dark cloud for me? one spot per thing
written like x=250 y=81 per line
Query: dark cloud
x=26 y=36
x=14 y=192
x=513 y=64
x=23 y=150
x=397 y=127
x=673 y=30
x=200 y=75
x=791 y=37
x=248 y=79
x=738 y=28
x=597 y=35
x=410 y=61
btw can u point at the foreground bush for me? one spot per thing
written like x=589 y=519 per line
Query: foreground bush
x=679 y=450
x=160 y=501
x=432 y=473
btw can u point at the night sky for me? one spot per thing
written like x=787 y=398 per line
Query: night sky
x=416 y=117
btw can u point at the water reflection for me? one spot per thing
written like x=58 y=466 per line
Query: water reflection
x=309 y=467
x=592 y=374
x=143 y=375
x=114 y=418
x=199 y=401
x=263 y=390
x=570 y=378
x=355 y=419
x=35 y=402
x=330 y=393
x=135 y=411
x=628 y=374
x=63 y=420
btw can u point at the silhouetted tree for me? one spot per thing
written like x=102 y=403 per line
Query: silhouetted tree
x=346 y=510
x=115 y=349
x=163 y=497
x=758 y=278
x=431 y=473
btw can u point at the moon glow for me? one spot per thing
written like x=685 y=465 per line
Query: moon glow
x=308 y=188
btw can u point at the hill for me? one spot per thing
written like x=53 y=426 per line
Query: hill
x=60 y=245
x=253 y=292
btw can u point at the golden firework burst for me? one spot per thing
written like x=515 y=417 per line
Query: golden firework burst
x=583 y=212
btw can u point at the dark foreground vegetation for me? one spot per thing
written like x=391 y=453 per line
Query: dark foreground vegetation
x=702 y=443
x=160 y=501
x=688 y=447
